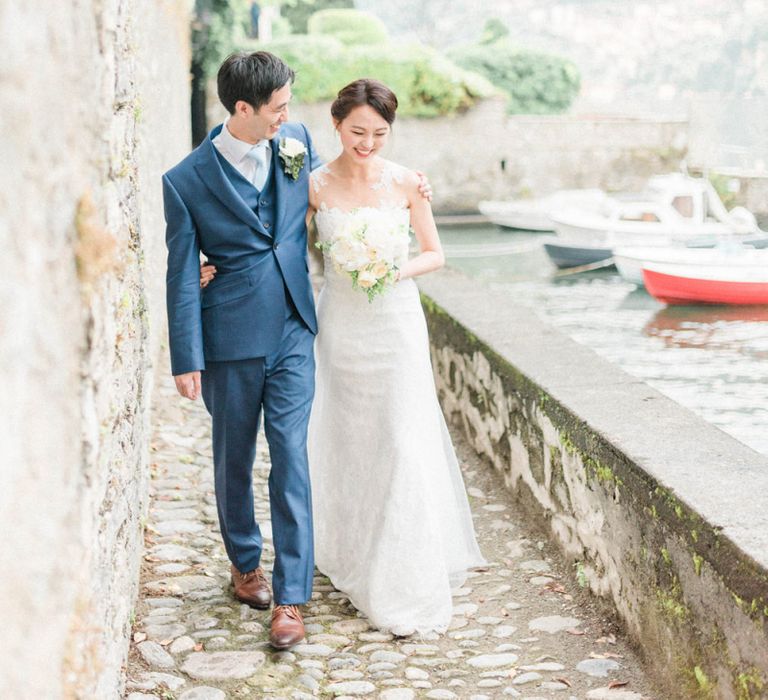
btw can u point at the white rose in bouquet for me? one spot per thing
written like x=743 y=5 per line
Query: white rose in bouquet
x=380 y=269
x=340 y=251
x=367 y=245
x=349 y=254
x=366 y=279
x=382 y=241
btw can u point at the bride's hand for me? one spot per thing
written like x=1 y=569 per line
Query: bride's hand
x=207 y=273
x=425 y=189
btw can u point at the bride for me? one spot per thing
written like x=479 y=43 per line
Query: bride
x=393 y=528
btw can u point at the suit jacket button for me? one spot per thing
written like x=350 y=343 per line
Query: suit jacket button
x=266 y=225
x=275 y=247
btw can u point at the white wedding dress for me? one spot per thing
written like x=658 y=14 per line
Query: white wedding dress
x=393 y=528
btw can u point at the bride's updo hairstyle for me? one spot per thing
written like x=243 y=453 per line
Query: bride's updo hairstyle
x=365 y=91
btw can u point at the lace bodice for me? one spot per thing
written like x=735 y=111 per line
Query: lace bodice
x=387 y=196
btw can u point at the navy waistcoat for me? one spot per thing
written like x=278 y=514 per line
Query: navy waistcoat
x=264 y=203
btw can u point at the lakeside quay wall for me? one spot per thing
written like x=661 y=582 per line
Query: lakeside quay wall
x=663 y=515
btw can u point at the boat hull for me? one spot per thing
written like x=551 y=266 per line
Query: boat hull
x=676 y=289
x=567 y=256
x=630 y=261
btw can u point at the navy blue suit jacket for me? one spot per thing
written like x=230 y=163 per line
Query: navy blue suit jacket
x=241 y=313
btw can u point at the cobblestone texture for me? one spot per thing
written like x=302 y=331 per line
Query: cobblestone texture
x=522 y=628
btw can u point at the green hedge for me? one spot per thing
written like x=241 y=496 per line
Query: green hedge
x=350 y=27
x=298 y=12
x=535 y=83
x=316 y=60
x=426 y=83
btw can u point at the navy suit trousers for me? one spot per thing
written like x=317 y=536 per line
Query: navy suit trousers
x=234 y=393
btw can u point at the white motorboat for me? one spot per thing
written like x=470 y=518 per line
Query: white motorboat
x=630 y=261
x=534 y=214
x=674 y=209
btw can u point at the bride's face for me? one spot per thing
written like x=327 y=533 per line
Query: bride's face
x=363 y=133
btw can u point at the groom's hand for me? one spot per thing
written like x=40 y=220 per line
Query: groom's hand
x=188 y=385
x=425 y=189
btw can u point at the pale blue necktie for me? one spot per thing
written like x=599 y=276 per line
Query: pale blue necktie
x=258 y=154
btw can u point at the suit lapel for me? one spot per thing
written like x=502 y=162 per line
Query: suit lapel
x=210 y=171
x=281 y=185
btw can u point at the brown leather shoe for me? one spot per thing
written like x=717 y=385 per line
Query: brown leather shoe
x=252 y=588
x=287 y=627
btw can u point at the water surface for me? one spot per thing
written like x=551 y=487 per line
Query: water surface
x=713 y=360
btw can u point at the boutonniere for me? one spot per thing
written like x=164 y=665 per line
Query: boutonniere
x=292 y=152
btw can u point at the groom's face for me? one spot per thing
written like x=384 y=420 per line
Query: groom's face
x=265 y=122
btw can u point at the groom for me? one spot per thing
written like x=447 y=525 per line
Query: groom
x=245 y=341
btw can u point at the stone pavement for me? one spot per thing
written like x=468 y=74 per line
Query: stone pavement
x=522 y=628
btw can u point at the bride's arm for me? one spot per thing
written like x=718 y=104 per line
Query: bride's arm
x=423 y=223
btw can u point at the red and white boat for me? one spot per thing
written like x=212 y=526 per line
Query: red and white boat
x=630 y=261
x=679 y=283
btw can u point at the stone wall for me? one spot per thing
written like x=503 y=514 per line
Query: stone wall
x=662 y=514
x=95 y=107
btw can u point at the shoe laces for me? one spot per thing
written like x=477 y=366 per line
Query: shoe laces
x=257 y=574
x=291 y=611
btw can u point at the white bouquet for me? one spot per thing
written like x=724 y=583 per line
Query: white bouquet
x=367 y=246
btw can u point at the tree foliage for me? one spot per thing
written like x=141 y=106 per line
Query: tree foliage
x=493 y=30
x=535 y=83
x=350 y=27
x=298 y=12
x=316 y=60
x=426 y=83
x=218 y=26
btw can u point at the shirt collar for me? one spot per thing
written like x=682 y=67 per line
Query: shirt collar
x=234 y=147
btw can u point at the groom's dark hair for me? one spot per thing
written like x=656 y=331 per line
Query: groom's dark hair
x=251 y=77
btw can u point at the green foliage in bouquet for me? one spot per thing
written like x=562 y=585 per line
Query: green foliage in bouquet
x=350 y=27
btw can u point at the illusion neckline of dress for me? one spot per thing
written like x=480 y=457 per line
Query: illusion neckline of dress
x=399 y=206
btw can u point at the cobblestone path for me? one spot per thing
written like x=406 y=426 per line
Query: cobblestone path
x=522 y=628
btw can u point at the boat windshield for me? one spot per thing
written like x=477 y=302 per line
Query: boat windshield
x=684 y=205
